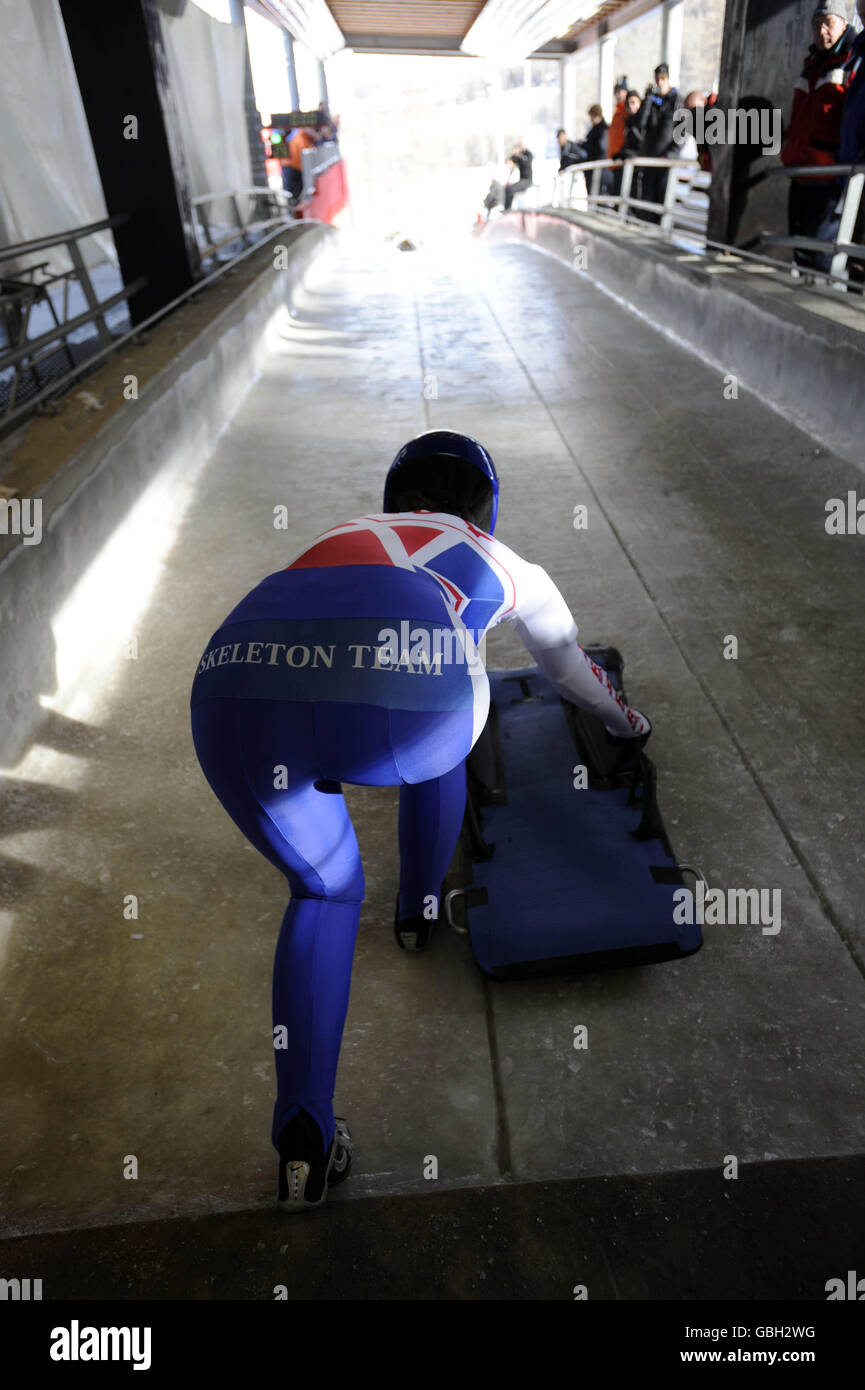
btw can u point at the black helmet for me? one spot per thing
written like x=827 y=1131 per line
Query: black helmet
x=441 y=471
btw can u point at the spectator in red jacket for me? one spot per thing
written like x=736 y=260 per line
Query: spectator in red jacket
x=616 y=133
x=815 y=129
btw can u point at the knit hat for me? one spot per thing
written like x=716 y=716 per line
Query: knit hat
x=825 y=8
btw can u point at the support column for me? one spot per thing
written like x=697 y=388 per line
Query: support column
x=569 y=96
x=122 y=71
x=322 y=84
x=291 y=71
x=251 y=111
x=606 y=75
x=671 y=37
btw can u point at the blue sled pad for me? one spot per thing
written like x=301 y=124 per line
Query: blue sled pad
x=578 y=879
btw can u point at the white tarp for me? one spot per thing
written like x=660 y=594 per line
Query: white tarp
x=207 y=65
x=49 y=181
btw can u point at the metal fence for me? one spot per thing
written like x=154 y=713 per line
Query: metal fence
x=252 y=212
x=685 y=206
x=315 y=161
x=683 y=214
x=35 y=370
x=33 y=365
x=843 y=248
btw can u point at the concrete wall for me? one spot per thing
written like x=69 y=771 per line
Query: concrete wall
x=638 y=48
x=701 y=45
x=93 y=464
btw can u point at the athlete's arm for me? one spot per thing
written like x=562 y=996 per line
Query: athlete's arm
x=543 y=621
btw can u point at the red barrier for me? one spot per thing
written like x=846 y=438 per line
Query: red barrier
x=330 y=196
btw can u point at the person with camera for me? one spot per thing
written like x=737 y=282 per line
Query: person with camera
x=656 y=121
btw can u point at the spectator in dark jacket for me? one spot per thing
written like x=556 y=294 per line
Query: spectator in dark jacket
x=852 y=145
x=656 y=115
x=634 y=133
x=595 y=138
x=570 y=151
x=814 y=134
x=520 y=160
x=593 y=144
x=852 y=139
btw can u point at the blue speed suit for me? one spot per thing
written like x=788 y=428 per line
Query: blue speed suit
x=358 y=663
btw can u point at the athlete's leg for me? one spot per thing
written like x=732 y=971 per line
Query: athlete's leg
x=430 y=818
x=261 y=760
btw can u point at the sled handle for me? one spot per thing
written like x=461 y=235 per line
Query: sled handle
x=698 y=873
x=454 y=893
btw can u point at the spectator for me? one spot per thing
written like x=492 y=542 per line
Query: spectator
x=656 y=115
x=633 y=145
x=593 y=144
x=570 y=150
x=815 y=129
x=521 y=162
x=595 y=140
x=292 y=169
x=708 y=100
x=616 y=135
x=852 y=144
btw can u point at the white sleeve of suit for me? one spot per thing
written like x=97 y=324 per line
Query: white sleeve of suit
x=543 y=621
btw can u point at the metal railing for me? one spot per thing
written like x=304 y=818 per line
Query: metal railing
x=16 y=305
x=31 y=367
x=843 y=249
x=677 y=212
x=314 y=161
x=266 y=208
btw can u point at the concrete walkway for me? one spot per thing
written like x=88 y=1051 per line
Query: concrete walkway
x=150 y=1037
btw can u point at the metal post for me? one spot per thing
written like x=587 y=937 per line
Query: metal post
x=625 y=190
x=251 y=112
x=291 y=70
x=87 y=289
x=673 y=17
x=239 y=220
x=669 y=201
x=605 y=75
x=847 y=225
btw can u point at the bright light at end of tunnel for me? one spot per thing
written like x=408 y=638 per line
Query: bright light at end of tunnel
x=509 y=30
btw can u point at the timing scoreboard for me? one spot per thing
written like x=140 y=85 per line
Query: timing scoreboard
x=282 y=124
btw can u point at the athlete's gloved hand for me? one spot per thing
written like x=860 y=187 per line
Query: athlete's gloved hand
x=643 y=739
x=627 y=740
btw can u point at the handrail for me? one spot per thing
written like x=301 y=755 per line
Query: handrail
x=269 y=192
x=623 y=201
x=820 y=170
x=42 y=243
x=842 y=248
x=113 y=344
